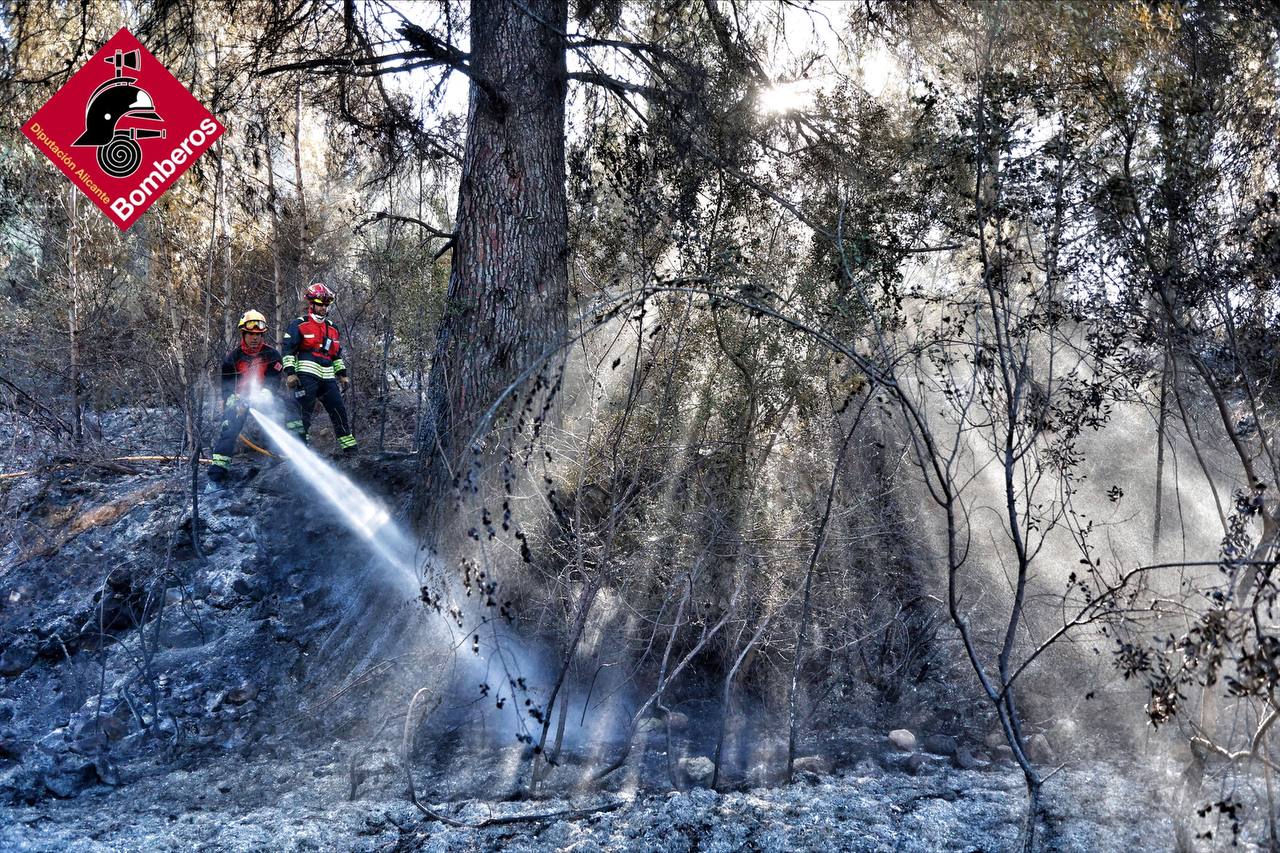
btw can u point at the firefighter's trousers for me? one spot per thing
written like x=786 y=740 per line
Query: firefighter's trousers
x=225 y=447
x=312 y=389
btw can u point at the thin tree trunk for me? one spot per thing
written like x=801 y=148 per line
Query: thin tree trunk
x=226 y=219
x=586 y=600
x=419 y=375
x=207 y=329
x=1160 y=439
x=73 y=321
x=419 y=338
x=272 y=203
x=664 y=678
x=727 y=698
x=386 y=389
x=227 y=334
x=194 y=418
x=302 y=195
x=807 y=606
x=562 y=719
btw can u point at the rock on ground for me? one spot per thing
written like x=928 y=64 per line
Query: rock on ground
x=903 y=739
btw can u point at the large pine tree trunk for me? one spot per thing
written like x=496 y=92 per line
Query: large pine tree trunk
x=508 y=289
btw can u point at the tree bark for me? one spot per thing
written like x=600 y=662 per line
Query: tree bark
x=508 y=289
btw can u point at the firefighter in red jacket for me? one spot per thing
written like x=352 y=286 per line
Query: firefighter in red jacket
x=248 y=367
x=314 y=370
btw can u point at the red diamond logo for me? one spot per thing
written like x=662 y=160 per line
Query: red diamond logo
x=123 y=129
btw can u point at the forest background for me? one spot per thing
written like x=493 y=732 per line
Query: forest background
x=792 y=357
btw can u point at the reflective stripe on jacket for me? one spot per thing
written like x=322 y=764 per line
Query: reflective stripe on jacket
x=313 y=347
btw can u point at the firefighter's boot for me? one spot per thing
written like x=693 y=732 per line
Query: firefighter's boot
x=218 y=471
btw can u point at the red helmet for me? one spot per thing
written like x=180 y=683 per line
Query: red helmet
x=320 y=294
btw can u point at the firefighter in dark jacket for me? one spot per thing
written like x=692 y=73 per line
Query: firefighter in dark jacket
x=250 y=366
x=314 y=370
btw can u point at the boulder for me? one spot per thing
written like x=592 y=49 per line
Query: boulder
x=69 y=776
x=221 y=591
x=59 y=646
x=112 y=728
x=967 y=760
x=818 y=764
x=91 y=741
x=903 y=739
x=61 y=627
x=107 y=772
x=698 y=770
x=995 y=740
x=650 y=725
x=917 y=763
x=940 y=744
x=55 y=742
x=10 y=747
x=250 y=588
x=241 y=694
x=18 y=657
x=114 y=608
x=1039 y=751
x=1063 y=733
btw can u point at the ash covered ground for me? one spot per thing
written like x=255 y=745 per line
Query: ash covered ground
x=154 y=698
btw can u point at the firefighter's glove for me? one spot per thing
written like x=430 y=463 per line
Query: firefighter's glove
x=291 y=381
x=343 y=381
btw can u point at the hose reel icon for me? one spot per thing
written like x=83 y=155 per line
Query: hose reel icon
x=119 y=154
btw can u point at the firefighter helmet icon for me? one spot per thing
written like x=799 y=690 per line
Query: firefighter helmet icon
x=119 y=154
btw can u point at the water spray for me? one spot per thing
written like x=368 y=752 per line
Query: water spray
x=503 y=660
x=362 y=514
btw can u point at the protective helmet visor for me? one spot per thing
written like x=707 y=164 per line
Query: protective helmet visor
x=253 y=326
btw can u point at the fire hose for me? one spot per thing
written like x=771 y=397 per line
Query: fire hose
x=261 y=450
